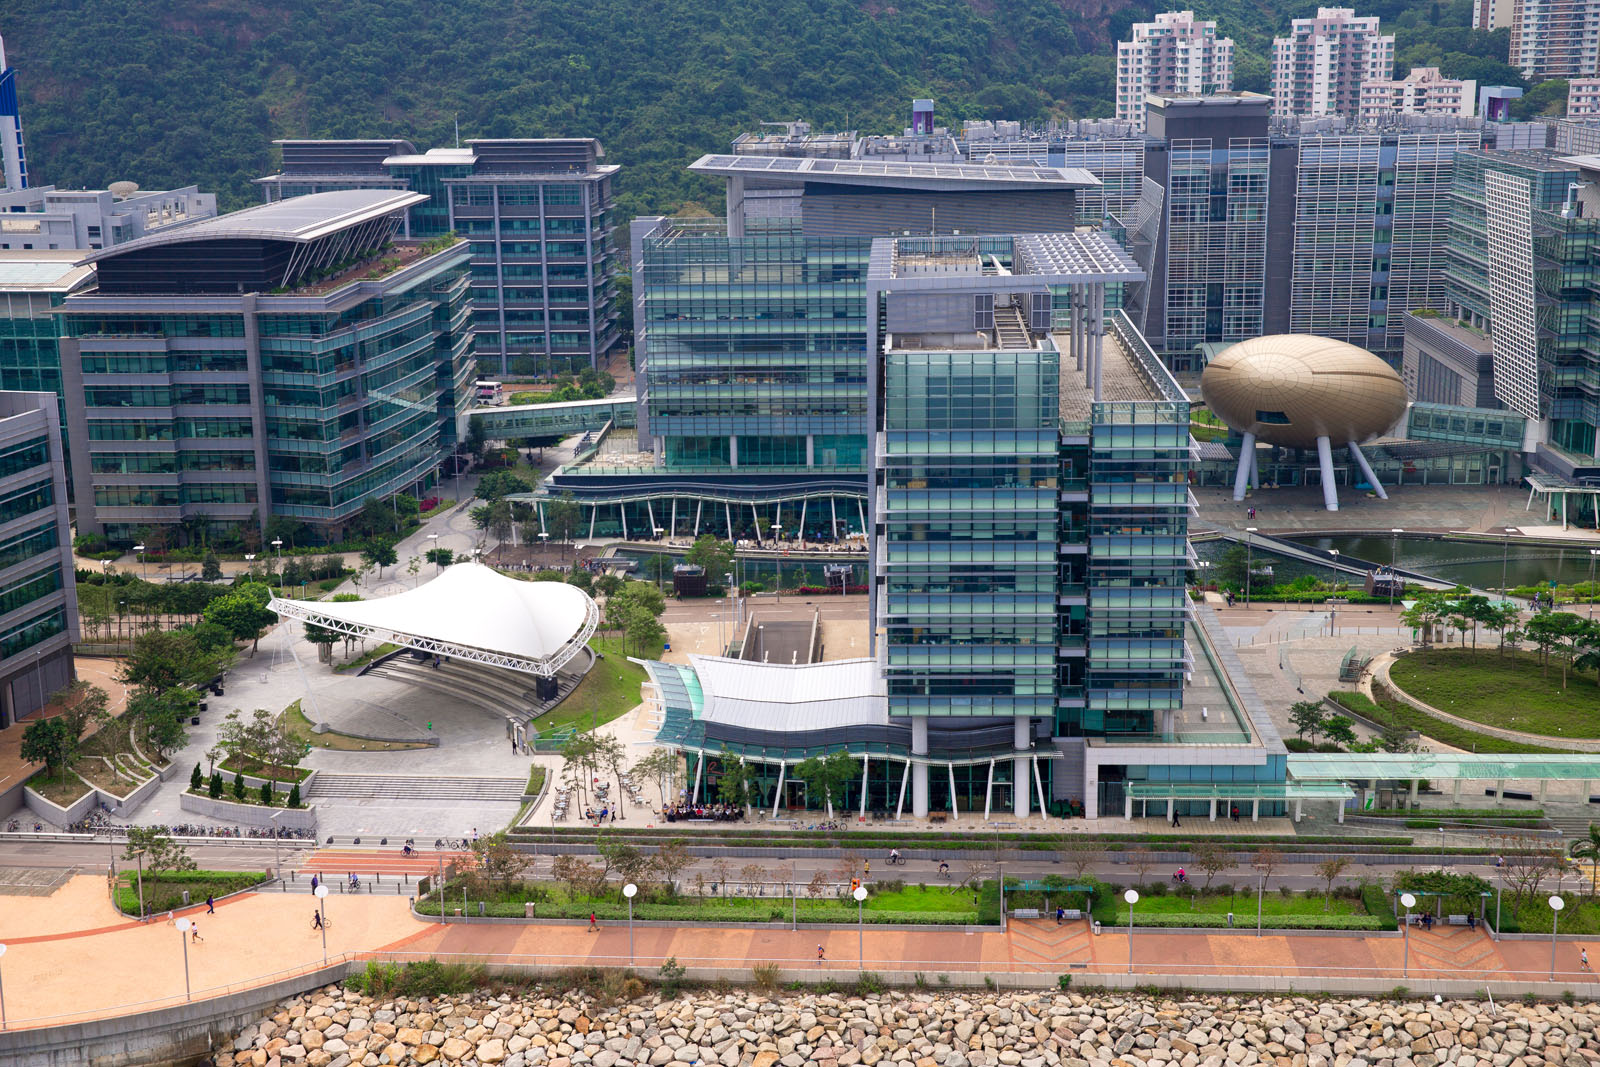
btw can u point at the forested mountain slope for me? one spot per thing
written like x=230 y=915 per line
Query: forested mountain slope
x=169 y=92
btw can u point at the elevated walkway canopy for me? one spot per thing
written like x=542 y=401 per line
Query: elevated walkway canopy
x=469 y=612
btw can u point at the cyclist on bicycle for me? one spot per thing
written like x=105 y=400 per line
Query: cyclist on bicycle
x=944 y=868
x=894 y=855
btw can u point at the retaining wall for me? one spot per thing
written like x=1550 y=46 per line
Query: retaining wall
x=55 y=813
x=167 y=1035
x=249 y=814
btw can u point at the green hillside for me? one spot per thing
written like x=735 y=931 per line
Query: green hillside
x=168 y=92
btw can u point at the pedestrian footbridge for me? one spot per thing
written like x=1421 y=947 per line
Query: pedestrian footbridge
x=555 y=420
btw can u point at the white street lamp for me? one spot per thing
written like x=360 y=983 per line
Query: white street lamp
x=1132 y=897
x=1249 y=562
x=322 y=895
x=1409 y=902
x=143 y=571
x=1394 y=555
x=184 y=926
x=1556 y=904
x=2 y=994
x=629 y=891
x=861 y=927
x=277 y=545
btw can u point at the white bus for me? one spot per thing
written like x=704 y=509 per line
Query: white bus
x=491 y=393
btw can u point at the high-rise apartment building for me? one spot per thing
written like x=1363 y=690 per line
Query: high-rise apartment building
x=1424 y=91
x=1492 y=14
x=38 y=600
x=1555 y=38
x=1320 y=67
x=292 y=359
x=44 y=217
x=1176 y=53
x=537 y=215
x=1583 y=98
x=13 y=158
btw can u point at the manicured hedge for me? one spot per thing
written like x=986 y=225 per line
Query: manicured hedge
x=164 y=891
x=1212 y=920
x=1379 y=905
x=709 y=911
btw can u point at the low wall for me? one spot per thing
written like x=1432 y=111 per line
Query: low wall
x=62 y=816
x=167 y=1035
x=249 y=814
x=133 y=800
x=1380 y=672
x=253 y=782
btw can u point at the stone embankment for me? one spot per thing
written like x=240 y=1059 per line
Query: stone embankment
x=338 y=1028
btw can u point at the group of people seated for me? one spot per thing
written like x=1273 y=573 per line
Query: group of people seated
x=714 y=812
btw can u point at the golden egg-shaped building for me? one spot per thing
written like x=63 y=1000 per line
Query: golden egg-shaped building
x=1301 y=391
x=1290 y=389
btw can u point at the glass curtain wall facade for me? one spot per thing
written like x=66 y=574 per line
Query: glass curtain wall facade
x=231 y=410
x=756 y=349
x=1216 y=240
x=970 y=479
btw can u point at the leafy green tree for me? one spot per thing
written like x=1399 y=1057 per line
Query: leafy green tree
x=160 y=713
x=737 y=779
x=1588 y=848
x=50 y=742
x=1307 y=717
x=714 y=555
x=196 y=779
x=266 y=792
x=1558 y=632
x=215 y=786
x=440 y=557
x=379 y=552
x=562 y=518
x=828 y=775
x=164 y=659
x=1340 y=729
x=497 y=485
x=663 y=765
x=1425 y=613
x=1329 y=871
x=243 y=613
x=294 y=795
x=161 y=853
x=211 y=568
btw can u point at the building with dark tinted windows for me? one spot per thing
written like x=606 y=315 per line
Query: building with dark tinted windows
x=537 y=214
x=292 y=359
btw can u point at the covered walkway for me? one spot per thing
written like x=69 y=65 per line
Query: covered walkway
x=1454 y=767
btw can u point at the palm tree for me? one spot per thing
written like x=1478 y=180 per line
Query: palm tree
x=1589 y=850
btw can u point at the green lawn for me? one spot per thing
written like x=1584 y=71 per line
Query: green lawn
x=607 y=691
x=1509 y=691
x=1273 y=903
x=735 y=902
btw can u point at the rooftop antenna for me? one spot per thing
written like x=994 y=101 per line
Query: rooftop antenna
x=458 y=129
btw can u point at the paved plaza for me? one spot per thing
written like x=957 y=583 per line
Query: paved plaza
x=72 y=949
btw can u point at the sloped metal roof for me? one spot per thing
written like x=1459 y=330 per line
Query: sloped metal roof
x=791 y=697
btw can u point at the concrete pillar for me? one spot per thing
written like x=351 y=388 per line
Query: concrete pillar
x=1330 y=491
x=1022 y=741
x=1341 y=811
x=988 y=792
x=777 y=794
x=1213 y=809
x=955 y=808
x=1127 y=805
x=811 y=450
x=733 y=451
x=1247 y=455
x=1297 y=803
x=1038 y=782
x=1455 y=793
x=1366 y=470
x=919 y=770
x=900 y=805
x=1255 y=809
x=862 y=813
x=1412 y=793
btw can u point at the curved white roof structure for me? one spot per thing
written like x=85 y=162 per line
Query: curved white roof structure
x=787 y=696
x=471 y=612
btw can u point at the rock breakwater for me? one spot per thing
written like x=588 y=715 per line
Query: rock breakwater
x=336 y=1027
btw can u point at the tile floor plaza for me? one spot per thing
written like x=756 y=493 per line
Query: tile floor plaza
x=72 y=948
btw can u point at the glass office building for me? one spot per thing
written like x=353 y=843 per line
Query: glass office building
x=537 y=215
x=289 y=360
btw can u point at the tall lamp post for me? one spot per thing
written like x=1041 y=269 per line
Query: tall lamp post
x=1394 y=555
x=629 y=891
x=144 y=572
x=1332 y=612
x=2 y=994
x=1556 y=904
x=322 y=895
x=861 y=928
x=777 y=588
x=1409 y=902
x=434 y=548
x=1505 y=556
x=184 y=926
x=1132 y=897
x=1249 y=564
x=1593 y=552
x=139 y=855
x=277 y=865
x=277 y=547
x=661 y=562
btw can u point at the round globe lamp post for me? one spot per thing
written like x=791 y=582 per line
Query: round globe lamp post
x=1409 y=902
x=1556 y=904
x=1132 y=897
x=184 y=926
x=861 y=927
x=322 y=895
x=630 y=891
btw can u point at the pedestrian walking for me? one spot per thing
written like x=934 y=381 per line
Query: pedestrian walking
x=819 y=954
x=1061 y=915
x=594 y=927
x=1583 y=958
x=211 y=905
x=194 y=933
x=313 y=884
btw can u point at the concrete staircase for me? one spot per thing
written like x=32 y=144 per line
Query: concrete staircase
x=1066 y=773
x=494 y=689
x=415 y=788
x=1039 y=944
x=1010 y=328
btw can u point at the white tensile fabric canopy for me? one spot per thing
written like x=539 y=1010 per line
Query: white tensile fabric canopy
x=470 y=612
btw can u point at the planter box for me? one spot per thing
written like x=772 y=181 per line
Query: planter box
x=249 y=814
x=50 y=811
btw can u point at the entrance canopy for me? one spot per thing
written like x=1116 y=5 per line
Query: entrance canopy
x=469 y=612
x=1467 y=766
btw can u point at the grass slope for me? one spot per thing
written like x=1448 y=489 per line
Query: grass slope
x=1510 y=691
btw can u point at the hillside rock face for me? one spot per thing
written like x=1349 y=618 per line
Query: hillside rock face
x=335 y=1027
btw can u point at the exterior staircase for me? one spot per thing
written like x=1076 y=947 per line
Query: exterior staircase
x=1010 y=328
